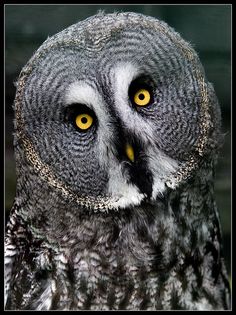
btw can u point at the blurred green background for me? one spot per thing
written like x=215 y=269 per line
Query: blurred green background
x=206 y=27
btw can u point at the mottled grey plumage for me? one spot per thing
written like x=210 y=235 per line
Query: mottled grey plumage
x=93 y=227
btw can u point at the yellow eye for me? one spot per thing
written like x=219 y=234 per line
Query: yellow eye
x=142 y=97
x=84 y=121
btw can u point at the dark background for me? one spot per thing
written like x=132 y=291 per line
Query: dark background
x=206 y=27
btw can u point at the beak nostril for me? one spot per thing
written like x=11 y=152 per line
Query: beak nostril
x=129 y=152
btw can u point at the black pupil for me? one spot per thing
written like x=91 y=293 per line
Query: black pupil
x=141 y=96
x=84 y=120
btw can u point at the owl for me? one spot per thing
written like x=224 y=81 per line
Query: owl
x=116 y=136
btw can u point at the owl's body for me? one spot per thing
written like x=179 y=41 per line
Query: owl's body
x=116 y=137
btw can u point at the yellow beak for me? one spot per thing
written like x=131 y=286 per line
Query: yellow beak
x=129 y=152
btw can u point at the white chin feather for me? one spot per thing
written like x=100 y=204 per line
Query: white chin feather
x=125 y=194
x=128 y=200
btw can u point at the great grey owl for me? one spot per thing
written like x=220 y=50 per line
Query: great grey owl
x=116 y=136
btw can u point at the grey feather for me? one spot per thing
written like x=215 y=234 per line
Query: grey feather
x=94 y=225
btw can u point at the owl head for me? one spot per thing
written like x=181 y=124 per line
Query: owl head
x=113 y=111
